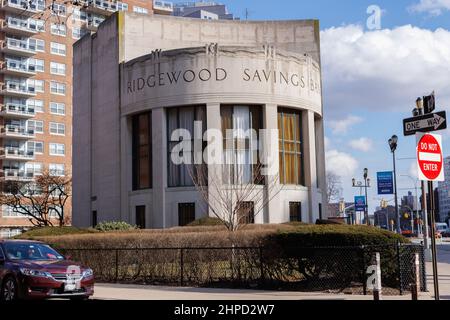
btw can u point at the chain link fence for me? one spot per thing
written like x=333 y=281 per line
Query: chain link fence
x=330 y=269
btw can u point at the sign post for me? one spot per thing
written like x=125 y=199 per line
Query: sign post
x=430 y=168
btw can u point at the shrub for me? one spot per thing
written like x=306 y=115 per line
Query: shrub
x=53 y=231
x=207 y=221
x=114 y=226
x=334 y=235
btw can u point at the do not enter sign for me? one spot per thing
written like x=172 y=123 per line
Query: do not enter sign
x=429 y=157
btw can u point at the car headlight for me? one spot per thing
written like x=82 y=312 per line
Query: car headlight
x=88 y=273
x=34 y=273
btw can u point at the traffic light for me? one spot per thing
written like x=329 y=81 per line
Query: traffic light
x=429 y=103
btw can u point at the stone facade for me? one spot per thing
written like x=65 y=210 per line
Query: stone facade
x=137 y=64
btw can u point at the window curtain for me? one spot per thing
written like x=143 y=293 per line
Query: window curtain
x=291 y=162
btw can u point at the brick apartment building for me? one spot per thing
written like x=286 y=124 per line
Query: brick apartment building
x=36 y=86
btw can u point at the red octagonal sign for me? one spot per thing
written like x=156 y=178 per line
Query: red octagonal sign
x=429 y=157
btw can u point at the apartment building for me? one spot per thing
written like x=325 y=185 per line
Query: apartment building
x=36 y=39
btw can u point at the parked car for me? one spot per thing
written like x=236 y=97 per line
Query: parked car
x=446 y=233
x=34 y=270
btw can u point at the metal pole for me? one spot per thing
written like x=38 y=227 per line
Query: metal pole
x=397 y=216
x=377 y=289
x=425 y=219
x=367 y=203
x=433 y=241
x=417 y=210
x=415 y=286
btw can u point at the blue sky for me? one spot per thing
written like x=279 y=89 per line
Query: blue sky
x=371 y=78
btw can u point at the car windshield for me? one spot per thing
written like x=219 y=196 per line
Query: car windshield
x=31 y=251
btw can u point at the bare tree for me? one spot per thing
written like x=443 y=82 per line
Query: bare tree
x=334 y=187
x=234 y=195
x=42 y=200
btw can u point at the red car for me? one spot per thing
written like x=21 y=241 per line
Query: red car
x=34 y=270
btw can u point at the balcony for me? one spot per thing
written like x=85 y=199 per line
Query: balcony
x=17 y=111
x=17 y=90
x=16 y=175
x=105 y=8
x=17 y=132
x=9 y=153
x=162 y=7
x=21 y=7
x=17 y=68
x=19 y=27
x=17 y=47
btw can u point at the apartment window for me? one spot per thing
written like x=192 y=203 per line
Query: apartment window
x=179 y=175
x=57 y=128
x=186 y=213
x=77 y=33
x=140 y=9
x=295 y=211
x=58 y=48
x=57 y=108
x=290 y=147
x=246 y=213
x=240 y=144
x=122 y=6
x=38 y=64
x=37 y=44
x=34 y=168
x=57 y=149
x=56 y=169
x=59 y=9
x=38 y=105
x=58 y=29
x=58 y=68
x=142 y=151
x=37 y=84
x=40 y=25
x=57 y=88
x=36 y=146
x=37 y=126
x=140 y=217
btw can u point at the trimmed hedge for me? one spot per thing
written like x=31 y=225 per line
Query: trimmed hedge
x=114 y=226
x=334 y=236
x=35 y=233
x=207 y=221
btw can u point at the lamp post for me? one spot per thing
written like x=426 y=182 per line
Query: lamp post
x=366 y=185
x=415 y=181
x=393 y=145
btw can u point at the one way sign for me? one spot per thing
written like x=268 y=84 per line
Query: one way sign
x=427 y=123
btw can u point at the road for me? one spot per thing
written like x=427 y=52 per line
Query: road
x=443 y=271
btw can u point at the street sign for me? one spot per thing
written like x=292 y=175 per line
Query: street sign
x=360 y=203
x=426 y=123
x=385 y=182
x=429 y=157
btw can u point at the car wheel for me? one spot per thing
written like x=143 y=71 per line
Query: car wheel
x=9 y=289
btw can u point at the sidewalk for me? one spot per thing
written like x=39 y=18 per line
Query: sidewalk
x=141 y=292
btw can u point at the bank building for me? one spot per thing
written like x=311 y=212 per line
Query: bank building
x=149 y=89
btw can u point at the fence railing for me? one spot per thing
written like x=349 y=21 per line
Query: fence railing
x=332 y=269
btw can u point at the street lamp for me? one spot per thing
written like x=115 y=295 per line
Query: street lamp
x=393 y=145
x=415 y=181
x=365 y=185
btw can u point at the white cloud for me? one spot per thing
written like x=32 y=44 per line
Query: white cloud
x=413 y=170
x=362 y=144
x=343 y=125
x=340 y=163
x=383 y=70
x=432 y=7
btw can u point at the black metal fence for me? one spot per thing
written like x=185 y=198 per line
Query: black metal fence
x=336 y=269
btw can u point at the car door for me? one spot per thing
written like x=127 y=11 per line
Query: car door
x=2 y=265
